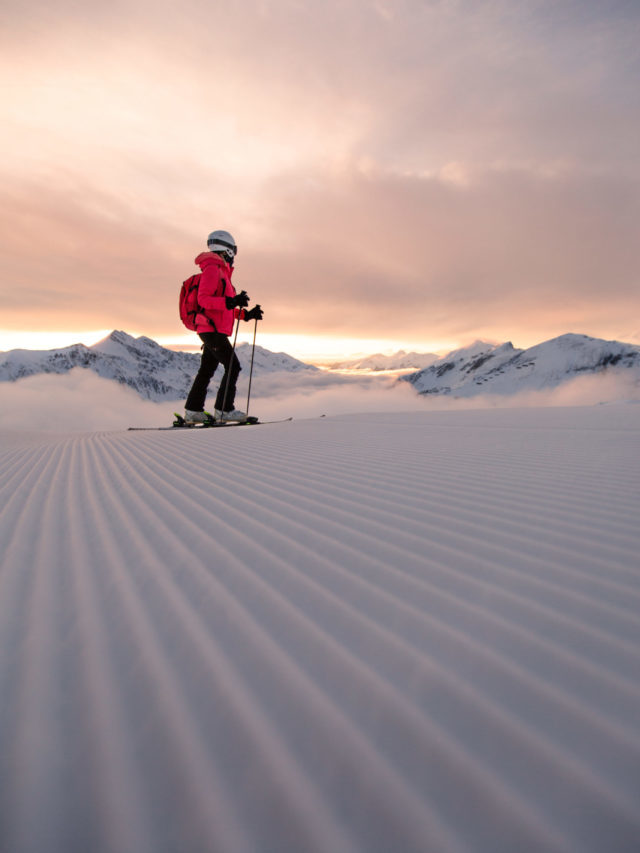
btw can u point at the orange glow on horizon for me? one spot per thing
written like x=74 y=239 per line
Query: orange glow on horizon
x=316 y=348
x=324 y=348
x=12 y=339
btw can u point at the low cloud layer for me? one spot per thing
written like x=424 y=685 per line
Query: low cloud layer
x=80 y=401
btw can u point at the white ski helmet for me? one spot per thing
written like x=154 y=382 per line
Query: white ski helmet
x=223 y=242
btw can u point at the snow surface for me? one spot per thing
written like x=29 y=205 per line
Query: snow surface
x=393 y=632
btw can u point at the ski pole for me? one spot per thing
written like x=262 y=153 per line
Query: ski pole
x=253 y=349
x=233 y=352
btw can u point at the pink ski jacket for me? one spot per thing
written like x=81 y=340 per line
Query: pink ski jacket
x=215 y=286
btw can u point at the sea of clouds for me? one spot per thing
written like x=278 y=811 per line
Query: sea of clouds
x=80 y=401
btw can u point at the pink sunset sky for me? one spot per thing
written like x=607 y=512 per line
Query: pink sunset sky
x=397 y=174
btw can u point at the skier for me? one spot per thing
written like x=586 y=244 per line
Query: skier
x=220 y=305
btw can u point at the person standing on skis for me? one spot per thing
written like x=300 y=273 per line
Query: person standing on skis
x=219 y=306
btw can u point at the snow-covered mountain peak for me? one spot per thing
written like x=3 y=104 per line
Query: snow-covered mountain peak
x=119 y=343
x=472 y=350
x=150 y=369
x=502 y=369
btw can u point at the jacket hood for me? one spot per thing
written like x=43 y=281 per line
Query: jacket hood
x=207 y=259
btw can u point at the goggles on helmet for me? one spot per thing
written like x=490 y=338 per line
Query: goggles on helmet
x=218 y=245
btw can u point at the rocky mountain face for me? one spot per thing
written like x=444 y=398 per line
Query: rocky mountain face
x=155 y=372
x=489 y=369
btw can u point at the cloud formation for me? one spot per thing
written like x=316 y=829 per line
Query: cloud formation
x=395 y=170
x=80 y=401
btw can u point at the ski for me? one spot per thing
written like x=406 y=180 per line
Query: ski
x=181 y=424
x=210 y=422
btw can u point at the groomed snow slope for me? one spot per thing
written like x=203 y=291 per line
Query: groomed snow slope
x=385 y=633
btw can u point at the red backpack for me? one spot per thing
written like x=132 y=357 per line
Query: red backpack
x=189 y=301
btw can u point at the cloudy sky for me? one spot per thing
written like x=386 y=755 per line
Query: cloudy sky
x=416 y=172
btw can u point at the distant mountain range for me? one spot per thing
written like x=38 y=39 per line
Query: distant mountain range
x=155 y=372
x=501 y=369
x=400 y=360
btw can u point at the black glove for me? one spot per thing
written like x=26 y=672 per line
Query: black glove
x=239 y=301
x=256 y=313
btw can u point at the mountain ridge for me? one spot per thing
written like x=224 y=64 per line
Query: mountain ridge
x=161 y=374
x=502 y=369
x=153 y=371
x=400 y=360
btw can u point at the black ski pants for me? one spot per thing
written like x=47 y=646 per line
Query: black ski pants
x=216 y=349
